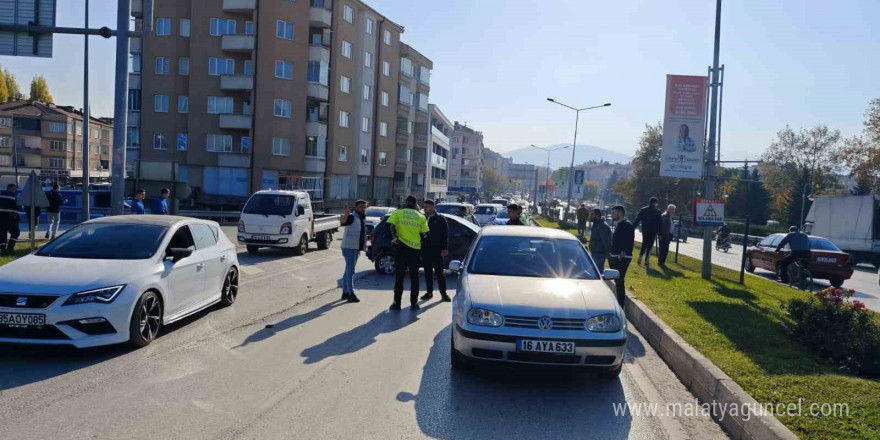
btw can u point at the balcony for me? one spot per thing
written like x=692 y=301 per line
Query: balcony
x=134 y=81
x=238 y=43
x=235 y=122
x=237 y=83
x=239 y=6
x=136 y=44
x=318 y=91
x=421 y=138
x=317 y=129
x=319 y=53
x=137 y=8
x=439 y=135
x=320 y=17
x=402 y=137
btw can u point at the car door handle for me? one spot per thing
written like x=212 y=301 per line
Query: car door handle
x=200 y=266
x=222 y=258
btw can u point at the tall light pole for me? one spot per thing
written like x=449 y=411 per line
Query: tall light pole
x=547 y=180
x=577 y=113
x=709 y=190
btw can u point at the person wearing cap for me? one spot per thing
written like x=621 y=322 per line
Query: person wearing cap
x=407 y=227
x=435 y=247
x=513 y=215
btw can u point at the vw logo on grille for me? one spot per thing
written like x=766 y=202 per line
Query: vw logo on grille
x=545 y=323
x=21 y=301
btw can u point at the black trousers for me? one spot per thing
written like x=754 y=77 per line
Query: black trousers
x=433 y=263
x=621 y=265
x=647 y=244
x=408 y=259
x=8 y=227
x=791 y=258
x=664 y=250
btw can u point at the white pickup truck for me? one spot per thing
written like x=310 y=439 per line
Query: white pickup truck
x=284 y=219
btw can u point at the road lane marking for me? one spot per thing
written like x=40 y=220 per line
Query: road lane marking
x=252 y=270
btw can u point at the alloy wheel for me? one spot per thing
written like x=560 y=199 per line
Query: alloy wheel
x=387 y=263
x=230 y=286
x=151 y=317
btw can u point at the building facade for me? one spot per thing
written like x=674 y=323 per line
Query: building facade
x=49 y=140
x=466 y=159
x=413 y=127
x=437 y=182
x=497 y=162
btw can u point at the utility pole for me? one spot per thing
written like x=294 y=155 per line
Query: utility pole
x=85 y=125
x=120 y=106
x=709 y=190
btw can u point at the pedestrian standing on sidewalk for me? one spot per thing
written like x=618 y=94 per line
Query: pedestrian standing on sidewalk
x=435 y=247
x=407 y=227
x=622 y=244
x=137 y=203
x=9 y=219
x=600 y=239
x=160 y=205
x=353 y=242
x=649 y=218
x=55 y=202
x=665 y=234
x=583 y=214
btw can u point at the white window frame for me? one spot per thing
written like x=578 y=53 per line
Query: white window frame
x=365 y=124
x=217 y=143
x=383 y=159
x=369 y=26
x=386 y=99
x=158 y=101
x=221 y=66
x=53 y=126
x=281 y=108
x=163 y=26
x=383 y=129
x=283 y=29
x=183 y=66
x=386 y=68
x=286 y=69
x=183 y=104
x=248 y=27
x=365 y=156
x=184 y=27
x=279 y=145
x=220 y=105
x=387 y=38
x=368 y=59
x=177 y=142
x=344 y=119
x=342 y=153
x=346 y=49
x=345 y=84
x=163 y=141
x=222 y=26
x=348 y=13
x=368 y=92
x=162 y=66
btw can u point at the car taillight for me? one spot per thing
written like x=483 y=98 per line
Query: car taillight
x=372 y=238
x=240 y=226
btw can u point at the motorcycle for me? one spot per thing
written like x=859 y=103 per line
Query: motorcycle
x=722 y=244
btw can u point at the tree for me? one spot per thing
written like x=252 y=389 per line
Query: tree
x=11 y=84
x=4 y=91
x=747 y=196
x=493 y=182
x=591 y=190
x=861 y=154
x=40 y=90
x=609 y=187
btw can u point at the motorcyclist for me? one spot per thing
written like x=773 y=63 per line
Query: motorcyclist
x=799 y=243
x=9 y=219
x=723 y=235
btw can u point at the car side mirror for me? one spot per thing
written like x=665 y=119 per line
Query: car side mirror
x=300 y=210
x=610 y=274
x=455 y=266
x=177 y=254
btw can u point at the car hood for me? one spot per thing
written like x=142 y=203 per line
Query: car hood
x=501 y=221
x=527 y=296
x=35 y=274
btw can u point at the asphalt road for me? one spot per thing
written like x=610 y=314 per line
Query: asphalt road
x=289 y=360
x=863 y=281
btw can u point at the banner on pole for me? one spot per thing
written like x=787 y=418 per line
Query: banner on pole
x=684 y=137
x=709 y=212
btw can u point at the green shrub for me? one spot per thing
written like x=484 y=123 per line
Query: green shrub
x=839 y=329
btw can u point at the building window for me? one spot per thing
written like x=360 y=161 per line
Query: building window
x=386 y=100
x=219 y=143
x=163 y=66
x=183 y=104
x=245 y=144
x=410 y=125
x=387 y=37
x=134 y=61
x=184 y=27
x=284 y=30
x=56 y=162
x=343 y=119
x=423 y=101
x=343 y=154
x=348 y=13
x=163 y=26
x=406 y=67
x=365 y=124
x=221 y=66
x=368 y=59
x=318 y=72
x=220 y=105
x=365 y=156
x=368 y=92
x=248 y=67
x=56 y=127
x=345 y=84
x=383 y=129
x=386 y=68
x=159 y=141
x=222 y=26
x=132 y=136
x=383 y=159
x=406 y=95
x=283 y=69
x=409 y=155
x=316 y=147
x=346 y=49
x=370 y=24
x=56 y=145
x=160 y=103
x=424 y=75
x=280 y=147
x=183 y=66
x=248 y=28
x=282 y=108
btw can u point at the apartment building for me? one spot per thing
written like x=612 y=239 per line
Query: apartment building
x=465 y=159
x=413 y=137
x=436 y=184
x=497 y=162
x=49 y=140
x=247 y=95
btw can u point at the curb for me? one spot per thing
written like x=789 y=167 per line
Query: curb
x=704 y=378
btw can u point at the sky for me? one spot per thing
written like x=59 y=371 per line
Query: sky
x=797 y=62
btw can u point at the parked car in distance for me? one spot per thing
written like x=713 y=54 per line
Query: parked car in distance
x=380 y=251
x=456 y=209
x=827 y=261
x=486 y=212
x=374 y=215
x=284 y=219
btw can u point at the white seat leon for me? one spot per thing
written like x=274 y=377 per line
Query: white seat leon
x=116 y=279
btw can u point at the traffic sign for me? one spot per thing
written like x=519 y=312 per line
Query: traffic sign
x=32 y=193
x=709 y=212
x=24 y=13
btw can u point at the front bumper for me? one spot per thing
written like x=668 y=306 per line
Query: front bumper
x=496 y=347
x=274 y=240
x=108 y=324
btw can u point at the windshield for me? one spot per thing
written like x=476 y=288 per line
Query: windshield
x=500 y=201
x=375 y=212
x=268 y=204
x=449 y=209
x=485 y=210
x=105 y=241
x=822 y=244
x=532 y=257
x=502 y=213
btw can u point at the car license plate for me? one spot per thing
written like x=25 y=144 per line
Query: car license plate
x=831 y=260
x=262 y=237
x=22 y=320
x=546 y=346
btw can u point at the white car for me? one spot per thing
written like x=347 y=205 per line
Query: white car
x=284 y=219
x=116 y=279
x=486 y=212
x=534 y=296
x=374 y=214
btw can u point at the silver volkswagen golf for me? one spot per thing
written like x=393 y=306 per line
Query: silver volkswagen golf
x=534 y=295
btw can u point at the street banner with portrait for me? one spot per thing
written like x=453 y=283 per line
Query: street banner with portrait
x=684 y=123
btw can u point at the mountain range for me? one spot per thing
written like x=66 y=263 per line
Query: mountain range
x=562 y=158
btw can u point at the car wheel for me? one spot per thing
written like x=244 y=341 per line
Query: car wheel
x=303 y=246
x=253 y=250
x=323 y=240
x=750 y=267
x=386 y=264
x=836 y=281
x=230 y=288
x=145 y=320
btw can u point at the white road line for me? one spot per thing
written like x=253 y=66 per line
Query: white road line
x=251 y=270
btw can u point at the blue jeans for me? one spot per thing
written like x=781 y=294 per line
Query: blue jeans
x=351 y=258
x=600 y=261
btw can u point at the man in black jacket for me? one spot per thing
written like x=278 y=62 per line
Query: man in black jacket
x=435 y=247
x=649 y=218
x=9 y=219
x=514 y=211
x=55 y=202
x=666 y=234
x=622 y=244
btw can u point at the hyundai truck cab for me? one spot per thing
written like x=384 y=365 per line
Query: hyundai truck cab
x=284 y=219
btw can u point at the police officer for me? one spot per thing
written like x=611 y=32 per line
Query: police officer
x=407 y=227
x=9 y=219
x=435 y=247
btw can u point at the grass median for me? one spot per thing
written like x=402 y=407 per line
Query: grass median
x=742 y=330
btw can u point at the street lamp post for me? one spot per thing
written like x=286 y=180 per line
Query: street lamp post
x=577 y=113
x=547 y=180
x=803 y=204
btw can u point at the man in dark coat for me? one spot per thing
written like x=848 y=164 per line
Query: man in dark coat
x=666 y=234
x=435 y=247
x=622 y=243
x=649 y=218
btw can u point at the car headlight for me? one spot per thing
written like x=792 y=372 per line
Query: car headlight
x=240 y=226
x=285 y=228
x=103 y=295
x=603 y=323
x=485 y=317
